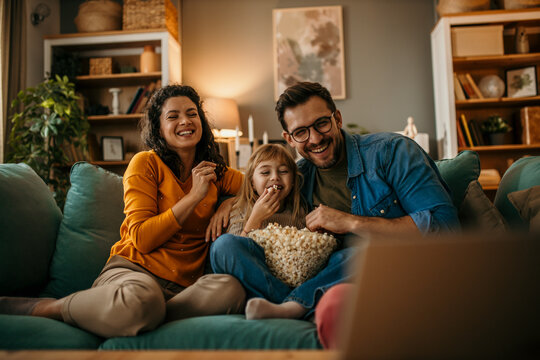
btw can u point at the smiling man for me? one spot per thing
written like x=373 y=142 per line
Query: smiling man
x=356 y=184
x=377 y=183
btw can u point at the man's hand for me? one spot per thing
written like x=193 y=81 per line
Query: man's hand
x=219 y=220
x=328 y=219
x=339 y=222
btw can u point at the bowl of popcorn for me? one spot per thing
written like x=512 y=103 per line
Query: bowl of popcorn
x=293 y=255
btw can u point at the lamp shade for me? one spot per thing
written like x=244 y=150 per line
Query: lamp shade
x=223 y=115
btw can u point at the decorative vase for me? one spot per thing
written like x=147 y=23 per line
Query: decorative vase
x=522 y=40
x=500 y=138
x=148 y=59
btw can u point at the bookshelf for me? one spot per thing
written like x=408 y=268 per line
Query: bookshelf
x=448 y=110
x=124 y=47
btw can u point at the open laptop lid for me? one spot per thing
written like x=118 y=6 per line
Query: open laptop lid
x=476 y=296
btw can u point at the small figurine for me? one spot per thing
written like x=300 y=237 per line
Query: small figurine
x=522 y=40
x=410 y=130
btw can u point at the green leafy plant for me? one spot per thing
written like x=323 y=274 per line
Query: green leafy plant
x=50 y=121
x=495 y=124
x=353 y=128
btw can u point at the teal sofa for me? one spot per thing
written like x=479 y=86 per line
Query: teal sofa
x=49 y=253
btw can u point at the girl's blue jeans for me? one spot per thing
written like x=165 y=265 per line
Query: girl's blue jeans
x=244 y=258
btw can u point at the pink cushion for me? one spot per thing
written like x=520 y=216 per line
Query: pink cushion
x=327 y=314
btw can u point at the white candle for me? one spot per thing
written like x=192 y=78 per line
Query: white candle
x=265 y=138
x=237 y=140
x=250 y=128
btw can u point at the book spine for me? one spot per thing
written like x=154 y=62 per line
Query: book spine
x=458 y=90
x=469 y=91
x=134 y=100
x=460 y=137
x=474 y=86
x=466 y=130
x=526 y=135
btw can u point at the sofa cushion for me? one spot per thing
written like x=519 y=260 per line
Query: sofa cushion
x=523 y=174
x=31 y=332
x=223 y=332
x=527 y=203
x=458 y=173
x=478 y=212
x=93 y=213
x=29 y=221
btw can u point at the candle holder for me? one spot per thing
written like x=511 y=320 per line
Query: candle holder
x=238 y=159
x=115 y=102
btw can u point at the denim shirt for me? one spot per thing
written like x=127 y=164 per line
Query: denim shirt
x=390 y=176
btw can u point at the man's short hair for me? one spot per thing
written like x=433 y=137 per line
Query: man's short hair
x=300 y=93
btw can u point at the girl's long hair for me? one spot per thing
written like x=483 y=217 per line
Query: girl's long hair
x=206 y=149
x=247 y=195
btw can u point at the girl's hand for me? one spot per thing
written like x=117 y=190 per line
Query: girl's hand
x=266 y=205
x=202 y=175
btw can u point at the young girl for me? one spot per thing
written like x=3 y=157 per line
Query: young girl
x=270 y=193
x=156 y=270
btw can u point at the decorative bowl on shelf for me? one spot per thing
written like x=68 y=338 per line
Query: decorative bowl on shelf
x=491 y=86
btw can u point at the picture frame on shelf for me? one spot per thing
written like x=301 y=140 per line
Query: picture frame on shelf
x=112 y=148
x=521 y=82
x=308 y=46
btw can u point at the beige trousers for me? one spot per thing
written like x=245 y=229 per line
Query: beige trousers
x=127 y=299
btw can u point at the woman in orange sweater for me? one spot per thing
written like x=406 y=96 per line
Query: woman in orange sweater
x=156 y=271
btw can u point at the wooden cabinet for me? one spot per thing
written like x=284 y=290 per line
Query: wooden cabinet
x=448 y=110
x=124 y=47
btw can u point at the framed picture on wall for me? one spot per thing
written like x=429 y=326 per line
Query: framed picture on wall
x=521 y=82
x=308 y=46
x=112 y=148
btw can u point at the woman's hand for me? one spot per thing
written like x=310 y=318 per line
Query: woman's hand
x=202 y=175
x=266 y=205
x=219 y=220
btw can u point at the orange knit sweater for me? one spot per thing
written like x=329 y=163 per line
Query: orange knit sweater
x=150 y=234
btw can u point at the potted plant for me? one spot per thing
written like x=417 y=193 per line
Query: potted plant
x=49 y=123
x=497 y=129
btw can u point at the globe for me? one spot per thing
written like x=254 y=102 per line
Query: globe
x=491 y=86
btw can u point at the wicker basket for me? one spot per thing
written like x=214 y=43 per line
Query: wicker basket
x=458 y=6
x=99 y=15
x=100 y=66
x=150 y=14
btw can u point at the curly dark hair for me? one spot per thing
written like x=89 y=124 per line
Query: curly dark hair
x=207 y=149
x=299 y=94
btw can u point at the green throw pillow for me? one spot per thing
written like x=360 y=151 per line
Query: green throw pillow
x=458 y=174
x=29 y=221
x=523 y=174
x=93 y=213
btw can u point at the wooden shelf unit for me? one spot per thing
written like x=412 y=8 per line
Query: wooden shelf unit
x=124 y=47
x=448 y=110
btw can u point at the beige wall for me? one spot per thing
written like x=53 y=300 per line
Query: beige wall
x=227 y=51
x=35 y=33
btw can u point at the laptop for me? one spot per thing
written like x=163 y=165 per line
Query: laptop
x=474 y=296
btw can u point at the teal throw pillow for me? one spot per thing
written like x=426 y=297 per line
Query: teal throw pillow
x=523 y=174
x=458 y=173
x=93 y=213
x=29 y=221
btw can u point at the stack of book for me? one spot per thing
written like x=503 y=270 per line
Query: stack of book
x=465 y=87
x=141 y=97
x=469 y=133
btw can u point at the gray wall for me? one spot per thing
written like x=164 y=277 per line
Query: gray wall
x=227 y=52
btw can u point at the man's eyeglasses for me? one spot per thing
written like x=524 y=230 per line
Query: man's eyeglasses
x=321 y=125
